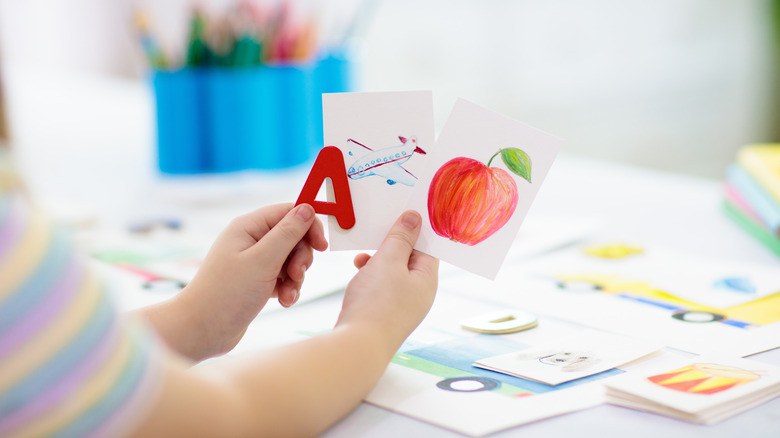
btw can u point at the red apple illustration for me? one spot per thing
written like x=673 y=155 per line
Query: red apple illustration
x=469 y=201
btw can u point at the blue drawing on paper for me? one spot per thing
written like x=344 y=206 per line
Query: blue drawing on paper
x=386 y=162
x=736 y=284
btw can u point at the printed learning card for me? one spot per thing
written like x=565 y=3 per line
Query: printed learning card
x=649 y=292
x=703 y=389
x=583 y=355
x=478 y=185
x=386 y=139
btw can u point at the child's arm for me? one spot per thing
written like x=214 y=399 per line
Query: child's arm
x=260 y=255
x=303 y=388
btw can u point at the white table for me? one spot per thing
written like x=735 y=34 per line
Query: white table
x=85 y=146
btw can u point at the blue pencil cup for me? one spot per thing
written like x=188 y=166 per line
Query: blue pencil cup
x=182 y=146
x=294 y=89
x=245 y=130
x=228 y=119
x=333 y=74
x=260 y=117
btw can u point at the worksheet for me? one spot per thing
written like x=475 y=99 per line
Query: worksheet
x=386 y=139
x=433 y=377
x=630 y=289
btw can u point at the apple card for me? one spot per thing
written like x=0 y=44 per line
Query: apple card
x=704 y=389
x=579 y=356
x=386 y=139
x=478 y=185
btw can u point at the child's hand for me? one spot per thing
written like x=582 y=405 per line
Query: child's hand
x=260 y=255
x=395 y=288
x=250 y=396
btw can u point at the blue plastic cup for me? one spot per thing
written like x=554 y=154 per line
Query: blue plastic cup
x=296 y=116
x=244 y=118
x=181 y=121
x=333 y=74
x=230 y=119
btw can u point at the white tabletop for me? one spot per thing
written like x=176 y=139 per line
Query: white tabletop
x=86 y=149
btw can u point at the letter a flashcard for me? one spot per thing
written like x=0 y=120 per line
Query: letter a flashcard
x=386 y=139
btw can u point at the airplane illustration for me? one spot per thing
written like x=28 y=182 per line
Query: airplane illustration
x=385 y=162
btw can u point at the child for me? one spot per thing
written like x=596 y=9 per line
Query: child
x=70 y=366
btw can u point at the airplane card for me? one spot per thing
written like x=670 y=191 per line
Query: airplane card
x=582 y=355
x=704 y=389
x=478 y=186
x=386 y=139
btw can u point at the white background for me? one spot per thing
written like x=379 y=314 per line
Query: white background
x=671 y=84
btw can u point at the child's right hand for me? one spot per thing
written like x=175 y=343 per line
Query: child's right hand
x=393 y=290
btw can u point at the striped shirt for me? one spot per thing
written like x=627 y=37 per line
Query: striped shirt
x=70 y=366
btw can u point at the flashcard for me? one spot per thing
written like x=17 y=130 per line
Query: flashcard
x=478 y=185
x=386 y=139
x=582 y=355
x=703 y=389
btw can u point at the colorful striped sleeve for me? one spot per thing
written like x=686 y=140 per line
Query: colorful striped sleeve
x=70 y=365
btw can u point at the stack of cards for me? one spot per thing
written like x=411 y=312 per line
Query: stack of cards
x=586 y=354
x=472 y=186
x=700 y=389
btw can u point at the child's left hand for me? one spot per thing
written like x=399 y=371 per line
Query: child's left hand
x=260 y=255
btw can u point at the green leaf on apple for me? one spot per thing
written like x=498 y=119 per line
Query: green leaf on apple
x=515 y=160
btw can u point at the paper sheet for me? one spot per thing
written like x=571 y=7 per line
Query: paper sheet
x=432 y=377
x=622 y=296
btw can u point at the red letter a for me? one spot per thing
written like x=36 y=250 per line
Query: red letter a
x=330 y=164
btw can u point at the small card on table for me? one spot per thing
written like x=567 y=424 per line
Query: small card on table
x=704 y=389
x=583 y=355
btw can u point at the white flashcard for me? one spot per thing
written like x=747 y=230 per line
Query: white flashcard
x=705 y=389
x=631 y=289
x=386 y=139
x=478 y=186
x=582 y=355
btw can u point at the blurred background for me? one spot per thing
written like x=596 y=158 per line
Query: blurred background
x=675 y=85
